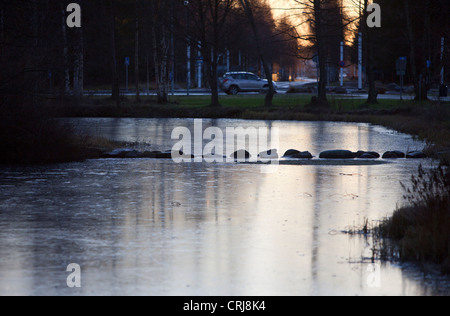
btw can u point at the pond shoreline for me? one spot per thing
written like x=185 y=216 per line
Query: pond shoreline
x=429 y=122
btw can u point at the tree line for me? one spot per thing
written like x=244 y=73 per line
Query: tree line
x=40 y=55
x=414 y=29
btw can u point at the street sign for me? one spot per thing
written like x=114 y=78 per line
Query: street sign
x=342 y=64
x=401 y=64
x=127 y=63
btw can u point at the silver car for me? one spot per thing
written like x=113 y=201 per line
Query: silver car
x=235 y=82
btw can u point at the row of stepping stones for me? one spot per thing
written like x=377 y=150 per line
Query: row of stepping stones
x=271 y=154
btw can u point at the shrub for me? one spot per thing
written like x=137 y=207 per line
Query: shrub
x=420 y=232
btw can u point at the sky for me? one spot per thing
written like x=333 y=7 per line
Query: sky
x=282 y=7
x=292 y=9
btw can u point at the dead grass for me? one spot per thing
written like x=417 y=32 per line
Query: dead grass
x=420 y=231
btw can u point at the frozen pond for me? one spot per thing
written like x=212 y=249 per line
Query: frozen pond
x=153 y=227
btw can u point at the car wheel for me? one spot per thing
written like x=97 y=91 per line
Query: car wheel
x=233 y=90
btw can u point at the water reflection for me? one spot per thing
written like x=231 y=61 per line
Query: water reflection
x=152 y=227
x=312 y=136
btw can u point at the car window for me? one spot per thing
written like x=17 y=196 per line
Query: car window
x=252 y=77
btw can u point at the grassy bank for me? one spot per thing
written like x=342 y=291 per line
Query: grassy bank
x=420 y=231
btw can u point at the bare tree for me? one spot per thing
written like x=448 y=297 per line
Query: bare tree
x=249 y=12
x=419 y=54
x=114 y=73
x=209 y=19
x=368 y=35
x=66 y=85
x=321 y=30
x=136 y=53
x=160 y=48
x=78 y=73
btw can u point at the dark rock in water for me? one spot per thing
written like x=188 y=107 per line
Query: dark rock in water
x=150 y=154
x=292 y=153
x=337 y=154
x=416 y=155
x=270 y=154
x=367 y=155
x=132 y=153
x=241 y=155
x=394 y=155
x=165 y=154
x=122 y=153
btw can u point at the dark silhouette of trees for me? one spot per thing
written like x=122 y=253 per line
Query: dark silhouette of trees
x=207 y=29
x=136 y=50
x=327 y=28
x=113 y=42
x=41 y=56
x=369 y=38
x=161 y=45
x=411 y=29
x=247 y=6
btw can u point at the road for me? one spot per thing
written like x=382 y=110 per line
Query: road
x=283 y=87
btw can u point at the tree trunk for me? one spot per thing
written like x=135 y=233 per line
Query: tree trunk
x=373 y=93
x=249 y=12
x=213 y=81
x=66 y=87
x=160 y=50
x=35 y=27
x=321 y=49
x=412 y=49
x=79 y=66
x=2 y=25
x=115 y=76
x=136 y=55
x=426 y=84
x=215 y=47
x=81 y=61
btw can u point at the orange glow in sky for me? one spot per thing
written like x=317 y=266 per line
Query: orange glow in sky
x=293 y=10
